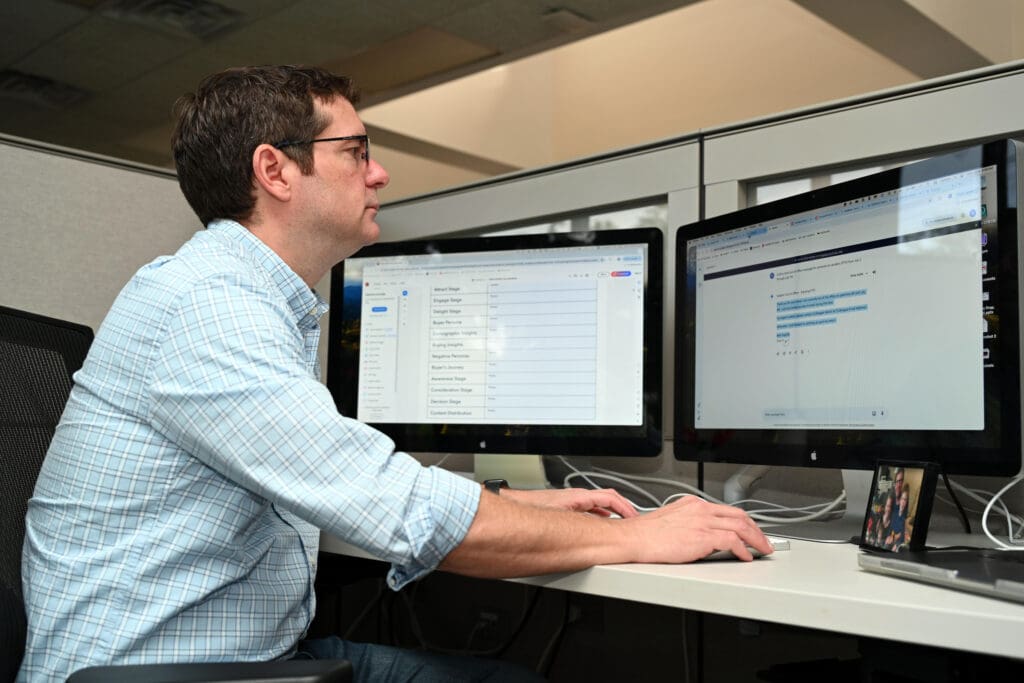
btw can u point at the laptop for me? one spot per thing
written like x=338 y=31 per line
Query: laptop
x=995 y=573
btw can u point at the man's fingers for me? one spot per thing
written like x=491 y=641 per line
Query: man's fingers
x=615 y=502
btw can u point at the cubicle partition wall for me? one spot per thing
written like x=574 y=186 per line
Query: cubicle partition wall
x=75 y=227
x=894 y=126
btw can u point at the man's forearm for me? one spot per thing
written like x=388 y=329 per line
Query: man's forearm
x=527 y=536
x=510 y=539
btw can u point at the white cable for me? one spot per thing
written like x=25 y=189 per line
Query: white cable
x=983 y=496
x=626 y=480
x=767 y=521
x=671 y=499
x=674 y=497
x=618 y=480
x=968 y=509
x=575 y=469
x=1010 y=517
x=774 y=507
x=984 y=515
x=778 y=506
x=824 y=512
x=613 y=476
x=666 y=482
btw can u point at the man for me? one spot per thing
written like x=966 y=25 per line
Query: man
x=899 y=519
x=176 y=516
x=897 y=481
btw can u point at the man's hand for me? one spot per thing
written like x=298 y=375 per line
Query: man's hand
x=601 y=502
x=692 y=528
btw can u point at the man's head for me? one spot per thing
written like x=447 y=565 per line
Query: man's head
x=231 y=113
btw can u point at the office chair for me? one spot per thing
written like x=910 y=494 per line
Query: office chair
x=38 y=356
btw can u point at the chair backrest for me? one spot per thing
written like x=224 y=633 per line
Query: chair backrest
x=38 y=355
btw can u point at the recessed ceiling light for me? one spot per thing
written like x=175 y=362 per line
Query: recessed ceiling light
x=17 y=85
x=195 y=18
x=567 y=21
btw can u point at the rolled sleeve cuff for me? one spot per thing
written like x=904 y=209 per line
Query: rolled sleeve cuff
x=442 y=510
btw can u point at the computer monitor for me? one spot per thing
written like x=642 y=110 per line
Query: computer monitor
x=543 y=344
x=874 y=319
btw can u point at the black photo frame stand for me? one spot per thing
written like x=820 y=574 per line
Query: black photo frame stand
x=899 y=506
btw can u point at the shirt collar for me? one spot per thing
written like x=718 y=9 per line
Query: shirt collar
x=306 y=304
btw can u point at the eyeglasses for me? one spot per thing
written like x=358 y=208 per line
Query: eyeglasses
x=364 y=149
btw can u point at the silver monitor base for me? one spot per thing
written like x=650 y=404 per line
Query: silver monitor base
x=857 y=485
x=521 y=471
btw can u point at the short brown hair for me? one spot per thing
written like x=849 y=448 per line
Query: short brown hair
x=231 y=113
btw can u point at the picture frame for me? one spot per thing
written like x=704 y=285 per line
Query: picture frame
x=899 y=506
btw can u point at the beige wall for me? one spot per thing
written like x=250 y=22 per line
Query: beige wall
x=995 y=28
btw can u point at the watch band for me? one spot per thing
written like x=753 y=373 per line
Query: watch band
x=495 y=485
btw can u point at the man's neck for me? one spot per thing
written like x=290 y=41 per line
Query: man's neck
x=307 y=260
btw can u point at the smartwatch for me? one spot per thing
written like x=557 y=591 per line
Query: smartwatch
x=495 y=485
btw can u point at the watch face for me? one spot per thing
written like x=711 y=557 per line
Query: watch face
x=495 y=485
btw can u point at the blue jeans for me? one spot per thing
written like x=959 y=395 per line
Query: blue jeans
x=384 y=663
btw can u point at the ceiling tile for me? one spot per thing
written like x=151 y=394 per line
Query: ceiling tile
x=99 y=53
x=254 y=9
x=37 y=22
x=507 y=25
x=413 y=56
x=427 y=12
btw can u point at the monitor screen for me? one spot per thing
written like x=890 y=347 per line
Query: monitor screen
x=874 y=319
x=528 y=344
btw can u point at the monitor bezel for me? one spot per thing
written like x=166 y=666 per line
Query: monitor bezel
x=644 y=440
x=955 y=452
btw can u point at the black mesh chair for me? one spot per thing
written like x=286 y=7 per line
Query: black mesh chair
x=38 y=355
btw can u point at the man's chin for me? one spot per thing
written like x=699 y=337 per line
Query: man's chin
x=371 y=235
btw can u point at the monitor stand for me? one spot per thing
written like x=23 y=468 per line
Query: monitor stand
x=857 y=485
x=521 y=471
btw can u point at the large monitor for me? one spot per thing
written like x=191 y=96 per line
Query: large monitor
x=545 y=344
x=874 y=319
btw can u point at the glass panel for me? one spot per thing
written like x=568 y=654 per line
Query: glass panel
x=761 y=193
x=769 y=192
x=645 y=216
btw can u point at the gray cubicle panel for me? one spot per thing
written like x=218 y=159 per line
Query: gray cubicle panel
x=901 y=123
x=75 y=227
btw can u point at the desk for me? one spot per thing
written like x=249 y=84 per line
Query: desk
x=812 y=585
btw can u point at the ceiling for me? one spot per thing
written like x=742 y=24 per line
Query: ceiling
x=101 y=74
x=457 y=90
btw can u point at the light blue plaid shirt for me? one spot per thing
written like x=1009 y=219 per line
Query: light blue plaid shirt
x=176 y=516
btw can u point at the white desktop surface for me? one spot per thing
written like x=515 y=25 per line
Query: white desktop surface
x=812 y=585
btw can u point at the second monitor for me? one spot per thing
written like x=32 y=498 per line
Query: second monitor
x=874 y=319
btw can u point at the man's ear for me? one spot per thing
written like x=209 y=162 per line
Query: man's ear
x=272 y=171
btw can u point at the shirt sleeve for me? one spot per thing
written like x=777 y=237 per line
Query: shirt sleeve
x=230 y=385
